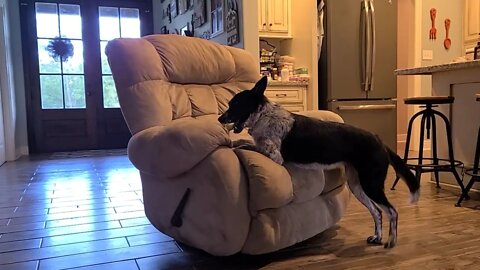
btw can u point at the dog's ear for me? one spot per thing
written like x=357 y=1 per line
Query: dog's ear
x=260 y=86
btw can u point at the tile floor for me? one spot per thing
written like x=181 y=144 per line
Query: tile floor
x=87 y=213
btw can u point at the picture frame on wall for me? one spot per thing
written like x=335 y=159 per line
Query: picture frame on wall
x=232 y=23
x=182 y=6
x=173 y=8
x=216 y=15
x=169 y=14
x=199 y=16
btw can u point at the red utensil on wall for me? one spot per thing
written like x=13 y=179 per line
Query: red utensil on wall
x=447 y=42
x=433 y=30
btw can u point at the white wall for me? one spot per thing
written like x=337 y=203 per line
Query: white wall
x=454 y=10
x=303 y=45
x=413 y=39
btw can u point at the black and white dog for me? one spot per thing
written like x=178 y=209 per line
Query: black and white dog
x=287 y=137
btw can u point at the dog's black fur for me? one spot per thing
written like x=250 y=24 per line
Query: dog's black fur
x=287 y=137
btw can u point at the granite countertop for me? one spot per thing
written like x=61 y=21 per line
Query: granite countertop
x=427 y=70
x=287 y=83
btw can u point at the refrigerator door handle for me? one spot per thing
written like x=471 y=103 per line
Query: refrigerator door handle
x=365 y=45
x=366 y=107
x=372 y=46
x=369 y=45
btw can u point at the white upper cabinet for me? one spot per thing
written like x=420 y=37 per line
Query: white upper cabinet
x=274 y=17
x=472 y=23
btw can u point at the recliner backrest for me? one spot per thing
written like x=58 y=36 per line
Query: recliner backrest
x=160 y=78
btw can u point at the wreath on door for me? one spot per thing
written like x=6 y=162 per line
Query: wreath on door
x=60 y=49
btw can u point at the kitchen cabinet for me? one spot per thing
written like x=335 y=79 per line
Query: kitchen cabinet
x=274 y=18
x=292 y=96
x=472 y=23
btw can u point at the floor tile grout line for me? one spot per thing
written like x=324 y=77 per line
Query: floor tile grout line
x=59 y=235
x=100 y=250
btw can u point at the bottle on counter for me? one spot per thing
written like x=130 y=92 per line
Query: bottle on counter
x=476 y=50
x=274 y=74
x=285 y=73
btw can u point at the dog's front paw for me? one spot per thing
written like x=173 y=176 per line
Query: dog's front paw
x=374 y=240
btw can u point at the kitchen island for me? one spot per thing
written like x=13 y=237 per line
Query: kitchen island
x=462 y=81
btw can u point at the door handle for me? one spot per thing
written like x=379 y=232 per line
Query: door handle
x=366 y=107
x=364 y=42
x=373 y=29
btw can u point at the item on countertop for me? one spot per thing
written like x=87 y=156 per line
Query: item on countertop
x=285 y=73
x=274 y=74
x=447 y=42
x=476 y=50
x=433 y=30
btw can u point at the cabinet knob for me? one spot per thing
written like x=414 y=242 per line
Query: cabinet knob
x=271 y=24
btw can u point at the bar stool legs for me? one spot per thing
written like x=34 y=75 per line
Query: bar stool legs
x=428 y=122
x=407 y=147
x=474 y=173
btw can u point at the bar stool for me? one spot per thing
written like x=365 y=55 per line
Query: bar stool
x=428 y=122
x=473 y=172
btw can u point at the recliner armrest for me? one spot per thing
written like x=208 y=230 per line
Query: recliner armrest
x=175 y=148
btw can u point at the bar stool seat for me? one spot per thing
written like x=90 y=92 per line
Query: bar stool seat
x=474 y=172
x=429 y=100
x=434 y=164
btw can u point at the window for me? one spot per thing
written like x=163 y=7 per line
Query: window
x=114 y=23
x=62 y=83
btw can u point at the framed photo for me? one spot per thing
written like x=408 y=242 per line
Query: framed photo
x=216 y=14
x=173 y=8
x=199 y=16
x=182 y=6
x=232 y=23
x=169 y=13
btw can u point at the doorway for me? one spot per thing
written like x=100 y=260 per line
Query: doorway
x=71 y=98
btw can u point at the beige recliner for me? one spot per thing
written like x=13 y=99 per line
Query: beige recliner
x=171 y=90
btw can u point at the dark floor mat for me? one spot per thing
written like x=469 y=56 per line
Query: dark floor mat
x=88 y=153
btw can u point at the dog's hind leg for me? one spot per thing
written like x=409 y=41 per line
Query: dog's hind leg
x=357 y=190
x=393 y=221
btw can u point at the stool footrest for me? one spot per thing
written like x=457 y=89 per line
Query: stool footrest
x=470 y=172
x=444 y=164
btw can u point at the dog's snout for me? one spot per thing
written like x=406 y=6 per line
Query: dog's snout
x=223 y=118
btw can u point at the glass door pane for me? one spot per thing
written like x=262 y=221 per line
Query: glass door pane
x=115 y=22
x=60 y=56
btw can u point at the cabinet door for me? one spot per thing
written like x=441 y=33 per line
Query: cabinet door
x=277 y=15
x=472 y=21
x=262 y=15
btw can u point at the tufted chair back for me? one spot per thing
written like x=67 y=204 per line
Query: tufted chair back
x=169 y=77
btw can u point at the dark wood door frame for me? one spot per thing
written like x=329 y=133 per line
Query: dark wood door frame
x=95 y=130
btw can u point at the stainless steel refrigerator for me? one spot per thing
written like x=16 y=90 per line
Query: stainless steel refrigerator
x=357 y=62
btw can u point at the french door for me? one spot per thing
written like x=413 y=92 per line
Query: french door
x=71 y=98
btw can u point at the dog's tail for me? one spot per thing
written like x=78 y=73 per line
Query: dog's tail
x=402 y=170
